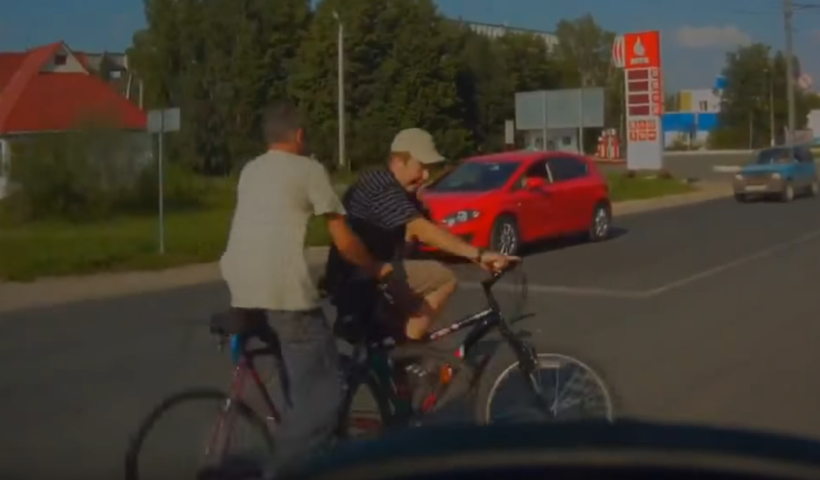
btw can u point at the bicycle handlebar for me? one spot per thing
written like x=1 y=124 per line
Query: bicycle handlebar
x=488 y=284
x=494 y=277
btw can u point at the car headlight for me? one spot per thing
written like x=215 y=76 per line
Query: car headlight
x=775 y=176
x=460 y=217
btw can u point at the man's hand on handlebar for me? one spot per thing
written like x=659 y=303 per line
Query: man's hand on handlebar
x=495 y=262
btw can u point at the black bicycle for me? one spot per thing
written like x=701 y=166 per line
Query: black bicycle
x=377 y=362
x=574 y=391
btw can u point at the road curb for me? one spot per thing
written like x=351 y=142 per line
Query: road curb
x=630 y=207
x=49 y=292
x=726 y=168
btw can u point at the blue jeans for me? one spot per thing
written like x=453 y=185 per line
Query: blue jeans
x=310 y=415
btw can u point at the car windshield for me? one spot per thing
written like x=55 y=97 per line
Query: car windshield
x=476 y=177
x=774 y=155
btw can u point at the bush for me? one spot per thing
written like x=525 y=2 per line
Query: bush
x=662 y=174
x=182 y=189
x=91 y=174
x=64 y=175
x=681 y=144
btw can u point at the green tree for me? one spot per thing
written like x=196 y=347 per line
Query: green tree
x=219 y=61
x=484 y=86
x=491 y=71
x=755 y=94
x=584 y=52
x=167 y=56
x=584 y=55
x=670 y=102
x=249 y=51
x=529 y=63
x=398 y=73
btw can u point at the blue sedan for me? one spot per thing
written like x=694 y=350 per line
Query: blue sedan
x=781 y=172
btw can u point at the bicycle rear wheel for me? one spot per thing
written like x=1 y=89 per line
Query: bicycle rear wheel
x=219 y=446
x=568 y=390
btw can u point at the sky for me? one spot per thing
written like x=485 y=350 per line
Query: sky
x=696 y=33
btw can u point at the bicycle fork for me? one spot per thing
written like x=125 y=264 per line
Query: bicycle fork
x=527 y=357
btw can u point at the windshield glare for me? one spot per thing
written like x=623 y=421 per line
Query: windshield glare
x=774 y=155
x=476 y=177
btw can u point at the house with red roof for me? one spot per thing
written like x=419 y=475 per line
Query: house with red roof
x=51 y=89
x=113 y=68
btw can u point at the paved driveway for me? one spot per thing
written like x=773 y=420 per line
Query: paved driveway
x=705 y=313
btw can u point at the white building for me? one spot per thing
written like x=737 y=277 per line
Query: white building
x=694 y=116
x=496 y=31
x=702 y=100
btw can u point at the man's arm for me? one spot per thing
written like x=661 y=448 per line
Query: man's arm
x=326 y=203
x=351 y=248
x=393 y=208
x=432 y=234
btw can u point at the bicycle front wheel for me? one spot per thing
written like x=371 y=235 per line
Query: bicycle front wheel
x=196 y=429
x=566 y=389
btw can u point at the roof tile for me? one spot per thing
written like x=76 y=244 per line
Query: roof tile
x=35 y=101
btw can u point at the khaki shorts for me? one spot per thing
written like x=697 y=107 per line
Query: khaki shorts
x=412 y=280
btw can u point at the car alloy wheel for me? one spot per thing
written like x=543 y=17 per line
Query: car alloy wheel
x=505 y=236
x=601 y=223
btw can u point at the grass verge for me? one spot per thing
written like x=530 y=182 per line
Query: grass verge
x=52 y=248
x=623 y=187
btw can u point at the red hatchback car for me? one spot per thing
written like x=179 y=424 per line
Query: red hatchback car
x=505 y=200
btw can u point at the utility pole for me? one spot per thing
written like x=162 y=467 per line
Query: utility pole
x=341 y=78
x=581 y=112
x=788 y=14
x=771 y=108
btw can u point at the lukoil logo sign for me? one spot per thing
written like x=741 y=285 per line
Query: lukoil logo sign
x=642 y=50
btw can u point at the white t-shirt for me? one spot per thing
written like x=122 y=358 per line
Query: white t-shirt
x=264 y=263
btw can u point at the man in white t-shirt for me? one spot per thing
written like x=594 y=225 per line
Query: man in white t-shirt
x=264 y=266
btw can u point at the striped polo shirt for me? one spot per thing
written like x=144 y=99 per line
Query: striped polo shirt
x=378 y=211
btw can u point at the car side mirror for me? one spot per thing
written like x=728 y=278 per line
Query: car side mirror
x=534 y=183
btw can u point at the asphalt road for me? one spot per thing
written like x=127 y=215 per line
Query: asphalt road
x=704 y=313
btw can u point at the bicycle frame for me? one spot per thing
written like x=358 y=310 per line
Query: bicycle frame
x=482 y=324
x=245 y=366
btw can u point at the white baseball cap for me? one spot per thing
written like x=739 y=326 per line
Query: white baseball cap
x=419 y=144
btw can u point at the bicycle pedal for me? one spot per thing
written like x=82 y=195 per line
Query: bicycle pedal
x=429 y=403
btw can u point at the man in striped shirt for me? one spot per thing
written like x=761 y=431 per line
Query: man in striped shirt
x=384 y=211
